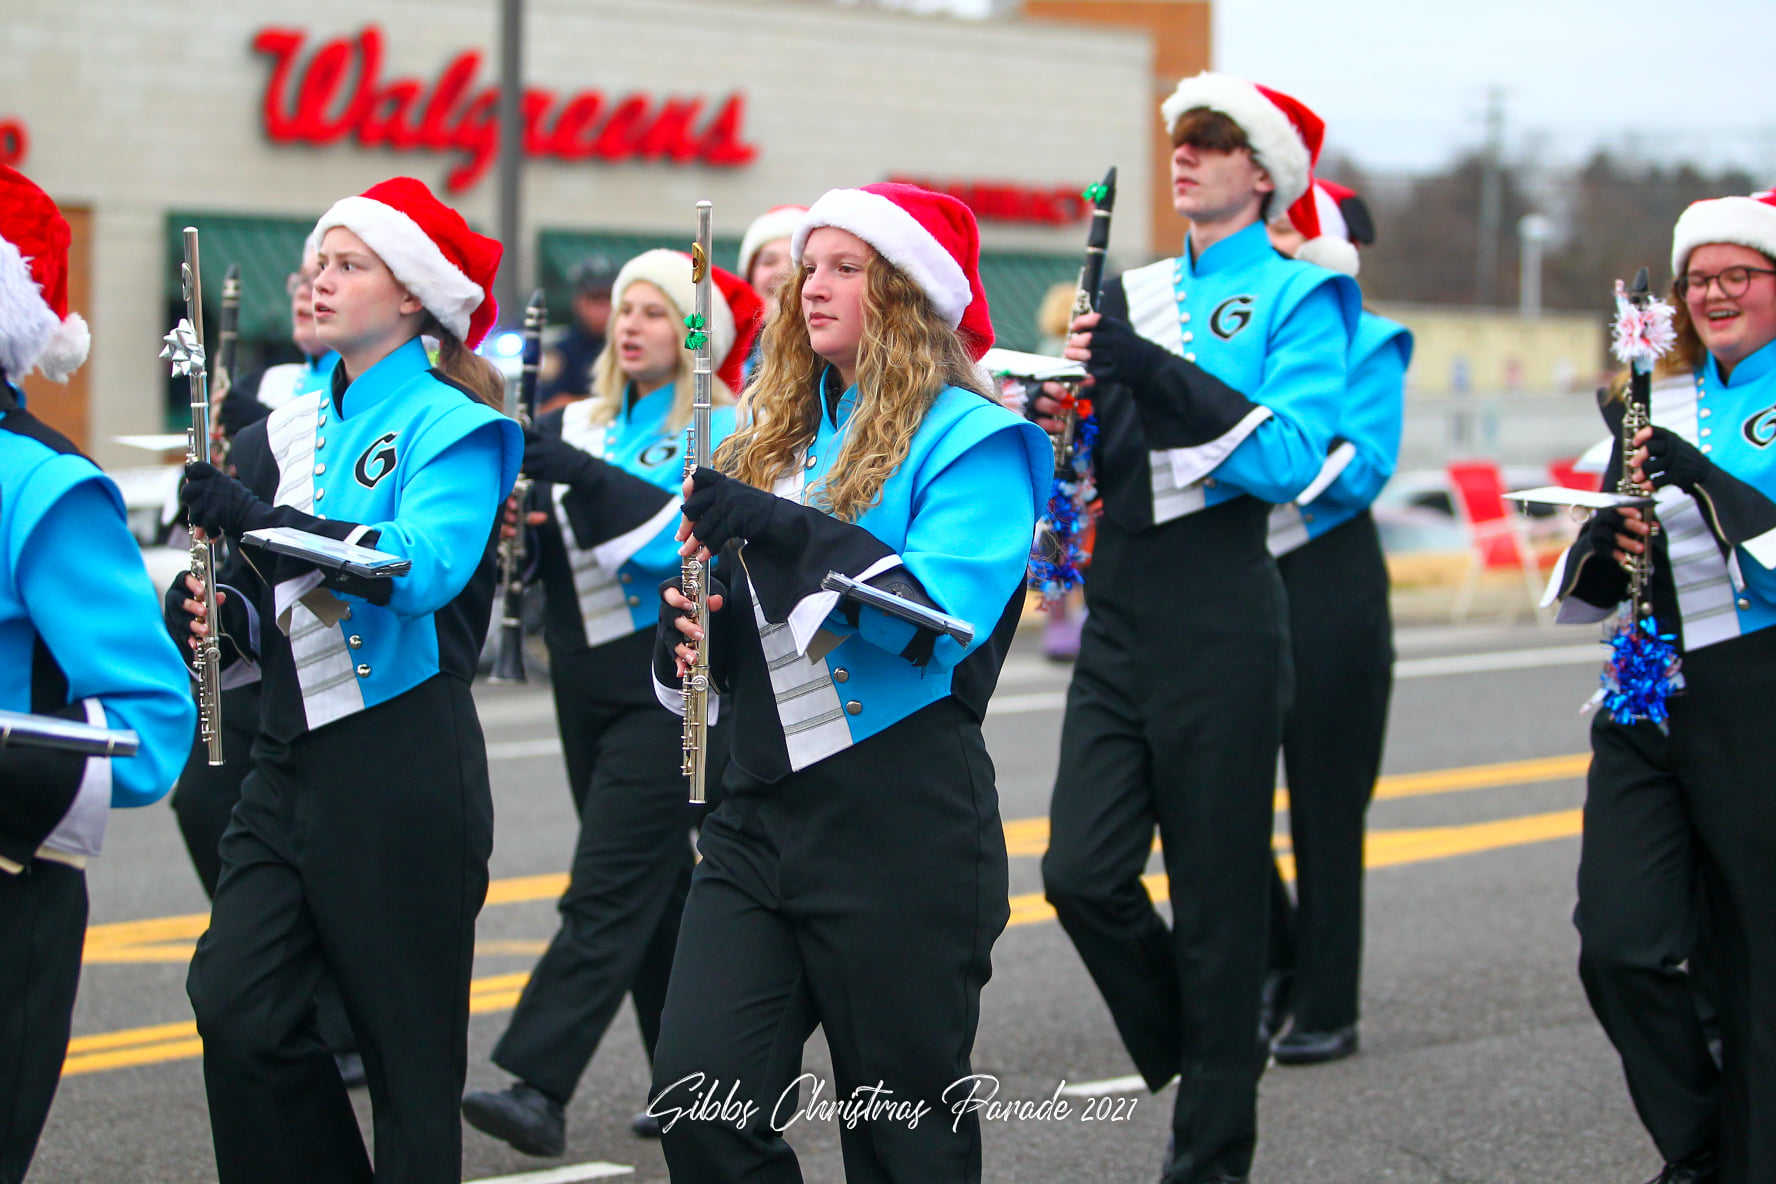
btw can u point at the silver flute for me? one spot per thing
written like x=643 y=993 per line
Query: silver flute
x=51 y=731
x=694 y=578
x=185 y=349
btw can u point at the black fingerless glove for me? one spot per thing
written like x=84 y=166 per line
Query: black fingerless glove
x=552 y=459
x=1121 y=355
x=721 y=508
x=667 y=637
x=1672 y=460
x=235 y=622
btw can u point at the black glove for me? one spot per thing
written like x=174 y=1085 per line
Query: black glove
x=233 y=621
x=721 y=508
x=1672 y=460
x=1121 y=355
x=220 y=504
x=667 y=638
x=240 y=411
x=552 y=459
x=1601 y=532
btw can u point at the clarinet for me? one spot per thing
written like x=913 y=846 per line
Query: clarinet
x=508 y=661
x=1085 y=300
x=694 y=577
x=185 y=349
x=1636 y=414
x=227 y=345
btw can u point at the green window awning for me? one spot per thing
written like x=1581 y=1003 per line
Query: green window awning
x=267 y=250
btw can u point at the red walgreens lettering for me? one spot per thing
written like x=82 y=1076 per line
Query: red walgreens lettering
x=1000 y=202
x=338 y=93
x=14 y=141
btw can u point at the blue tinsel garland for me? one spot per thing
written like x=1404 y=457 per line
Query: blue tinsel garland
x=1062 y=569
x=1642 y=673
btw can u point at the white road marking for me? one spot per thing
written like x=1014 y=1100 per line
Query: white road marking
x=567 y=1175
x=1110 y=1085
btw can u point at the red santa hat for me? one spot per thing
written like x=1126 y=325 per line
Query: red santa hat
x=428 y=247
x=1335 y=221
x=736 y=310
x=1745 y=221
x=1284 y=133
x=931 y=237
x=775 y=223
x=36 y=329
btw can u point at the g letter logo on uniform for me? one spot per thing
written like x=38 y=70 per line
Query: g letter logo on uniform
x=658 y=454
x=377 y=461
x=1230 y=316
x=1760 y=429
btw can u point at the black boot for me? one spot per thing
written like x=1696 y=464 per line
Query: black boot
x=530 y=1120
x=1700 y=1168
x=1296 y=1047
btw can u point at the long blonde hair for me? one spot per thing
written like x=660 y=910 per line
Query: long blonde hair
x=464 y=366
x=609 y=383
x=907 y=355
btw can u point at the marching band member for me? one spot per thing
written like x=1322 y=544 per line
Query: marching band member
x=1216 y=383
x=765 y=255
x=361 y=840
x=854 y=875
x=203 y=800
x=568 y=367
x=78 y=639
x=609 y=470
x=1669 y=803
x=1342 y=643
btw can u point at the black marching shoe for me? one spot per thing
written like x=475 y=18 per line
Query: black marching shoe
x=1171 y=1159
x=1296 y=1047
x=1700 y=1168
x=1274 y=1003
x=530 y=1120
x=645 y=1126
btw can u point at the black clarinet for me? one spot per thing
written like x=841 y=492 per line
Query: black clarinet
x=1085 y=300
x=227 y=347
x=508 y=659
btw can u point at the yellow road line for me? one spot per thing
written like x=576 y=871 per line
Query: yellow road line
x=499 y=992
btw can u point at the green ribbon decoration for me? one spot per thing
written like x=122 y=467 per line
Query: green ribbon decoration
x=1095 y=192
x=696 y=338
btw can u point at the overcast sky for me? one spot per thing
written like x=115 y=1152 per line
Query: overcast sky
x=1403 y=84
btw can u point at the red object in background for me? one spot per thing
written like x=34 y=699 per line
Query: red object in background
x=1565 y=473
x=994 y=201
x=14 y=142
x=339 y=93
x=1494 y=527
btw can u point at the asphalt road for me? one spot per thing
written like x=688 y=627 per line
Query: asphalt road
x=1480 y=1061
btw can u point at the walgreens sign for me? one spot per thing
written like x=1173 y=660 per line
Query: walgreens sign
x=335 y=91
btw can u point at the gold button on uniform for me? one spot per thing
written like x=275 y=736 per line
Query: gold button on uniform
x=853 y=707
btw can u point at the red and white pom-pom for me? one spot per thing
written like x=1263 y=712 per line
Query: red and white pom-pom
x=1641 y=335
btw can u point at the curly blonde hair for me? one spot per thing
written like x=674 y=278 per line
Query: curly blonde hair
x=906 y=357
x=609 y=382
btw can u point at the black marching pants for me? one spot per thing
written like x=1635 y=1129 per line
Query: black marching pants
x=1661 y=812
x=631 y=870
x=203 y=802
x=359 y=849
x=862 y=894
x=1173 y=720
x=1342 y=638
x=42 y=931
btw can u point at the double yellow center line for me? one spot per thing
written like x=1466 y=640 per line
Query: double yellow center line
x=171 y=939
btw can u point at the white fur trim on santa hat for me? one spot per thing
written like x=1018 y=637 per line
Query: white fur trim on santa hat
x=30 y=332
x=1276 y=145
x=670 y=271
x=768 y=227
x=410 y=255
x=899 y=238
x=1746 y=221
x=1331 y=252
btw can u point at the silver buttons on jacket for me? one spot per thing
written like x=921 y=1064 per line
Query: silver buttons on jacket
x=841 y=675
x=363 y=671
x=355 y=641
x=853 y=708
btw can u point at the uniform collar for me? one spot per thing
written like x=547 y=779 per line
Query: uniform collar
x=381 y=380
x=1749 y=370
x=649 y=408
x=1238 y=250
x=322 y=364
x=836 y=412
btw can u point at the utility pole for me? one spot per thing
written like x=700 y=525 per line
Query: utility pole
x=1486 y=249
x=511 y=159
